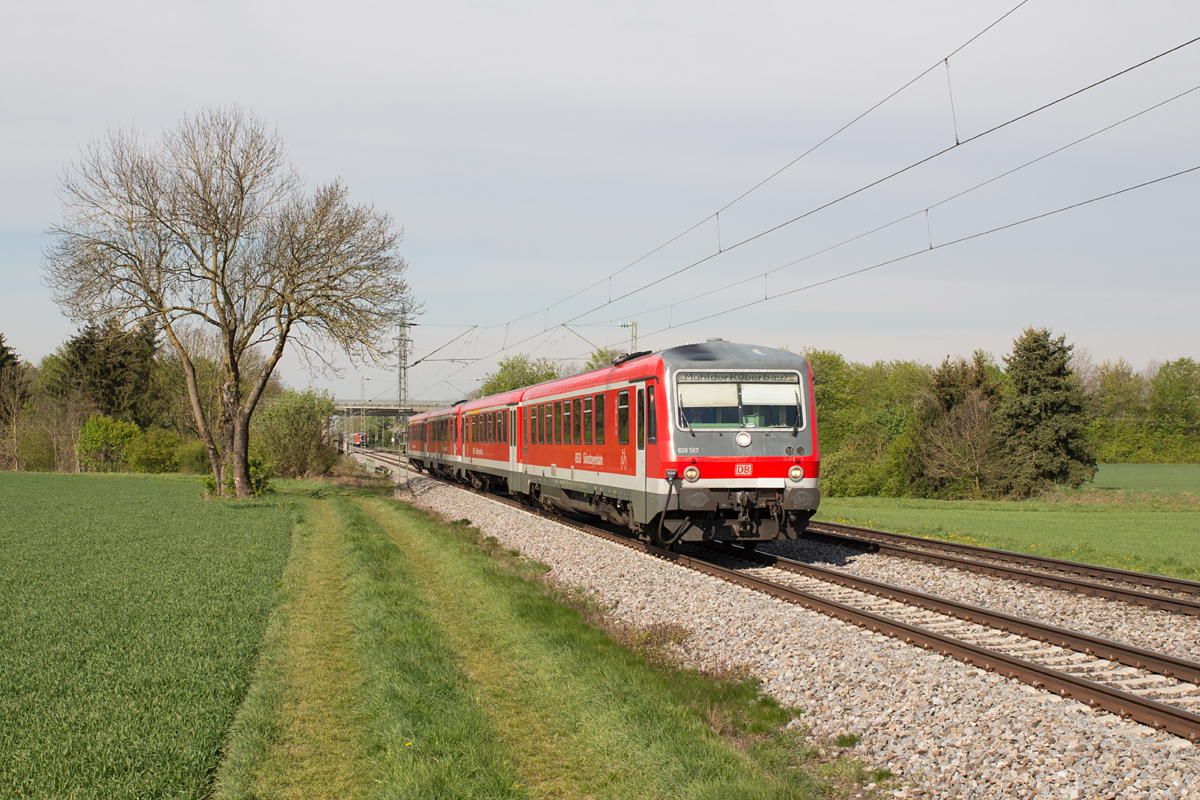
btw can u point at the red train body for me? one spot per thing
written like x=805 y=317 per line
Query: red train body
x=713 y=441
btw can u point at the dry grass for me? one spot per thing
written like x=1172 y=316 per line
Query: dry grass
x=317 y=754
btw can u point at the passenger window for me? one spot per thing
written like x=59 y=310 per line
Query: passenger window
x=651 y=417
x=566 y=421
x=577 y=407
x=641 y=420
x=541 y=423
x=492 y=426
x=504 y=428
x=558 y=412
x=587 y=420
x=623 y=416
x=525 y=423
x=599 y=419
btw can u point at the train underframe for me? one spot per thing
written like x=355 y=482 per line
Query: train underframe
x=747 y=516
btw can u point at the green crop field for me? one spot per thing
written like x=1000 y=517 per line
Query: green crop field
x=131 y=612
x=1149 y=477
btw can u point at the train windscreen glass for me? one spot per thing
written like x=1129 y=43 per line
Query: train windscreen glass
x=708 y=400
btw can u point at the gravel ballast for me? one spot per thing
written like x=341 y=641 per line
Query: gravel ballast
x=947 y=730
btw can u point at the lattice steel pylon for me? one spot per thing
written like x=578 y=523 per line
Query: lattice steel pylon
x=402 y=383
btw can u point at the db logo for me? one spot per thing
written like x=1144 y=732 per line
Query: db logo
x=742 y=469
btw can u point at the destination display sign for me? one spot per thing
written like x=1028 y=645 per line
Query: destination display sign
x=737 y=377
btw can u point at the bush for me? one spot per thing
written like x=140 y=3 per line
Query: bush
x=259 y=483
x=1142 y=443
x=292 y=434
x=102 y=443
x=153 y=451
x=35 y=452
x=192 y=457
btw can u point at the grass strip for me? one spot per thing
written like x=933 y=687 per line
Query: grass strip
x=425 y=736
x=130 y=615
x=297 y=735
x=1149 y=537
x=1148 y=478
x=584 y=716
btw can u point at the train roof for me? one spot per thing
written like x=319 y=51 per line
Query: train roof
x=493 y=401
x=702 y=355
x=730 y=355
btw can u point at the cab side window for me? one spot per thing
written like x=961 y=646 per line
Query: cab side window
x=641 y=419
x=651 y=417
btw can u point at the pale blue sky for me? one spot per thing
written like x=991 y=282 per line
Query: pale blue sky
x=530 y=149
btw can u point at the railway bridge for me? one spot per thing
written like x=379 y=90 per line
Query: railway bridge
x=383 y=421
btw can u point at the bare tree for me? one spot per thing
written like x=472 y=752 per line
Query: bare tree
x=13 y=394
x=210 y=226
x=204 y=347
x=961 y=444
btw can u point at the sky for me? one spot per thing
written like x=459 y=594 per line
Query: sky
x=557 y=167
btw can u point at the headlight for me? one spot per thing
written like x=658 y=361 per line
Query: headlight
x=691 y=474
x=796 y=473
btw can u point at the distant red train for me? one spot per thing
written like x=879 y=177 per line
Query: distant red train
x=713 y=441
x=357 y=438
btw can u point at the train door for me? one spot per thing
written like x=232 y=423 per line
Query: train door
x=640 y=505
x=510 y=415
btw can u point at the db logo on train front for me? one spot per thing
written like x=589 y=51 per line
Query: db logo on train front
x=742 y=469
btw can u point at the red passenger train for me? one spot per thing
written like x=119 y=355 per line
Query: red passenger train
x=713 y=441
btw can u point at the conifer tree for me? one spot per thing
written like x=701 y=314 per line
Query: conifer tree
x=1042 y=420
x=8 y=357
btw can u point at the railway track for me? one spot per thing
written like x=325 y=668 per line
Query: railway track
x=1154 y=591
x=1151 y=688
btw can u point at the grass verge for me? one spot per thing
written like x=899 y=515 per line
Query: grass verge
x=1129 y=533
x=296 y=735
x=1148 y=478
x=130 y=616
x=580 y=715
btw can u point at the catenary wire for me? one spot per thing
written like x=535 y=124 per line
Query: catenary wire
x=777 y=172
x=909 y=216
x=879 y=181
x=929 y=249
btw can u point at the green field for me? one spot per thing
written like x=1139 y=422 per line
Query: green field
x=1145 y=536
x=131 y=612
x=329 y=642
x=1170 y=478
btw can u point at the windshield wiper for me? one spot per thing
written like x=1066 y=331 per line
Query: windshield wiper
x=683 y=416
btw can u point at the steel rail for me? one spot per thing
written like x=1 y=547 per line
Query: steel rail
x=1159 y=716
x=1128 y=655
x=889 y=545
x=1148 y=712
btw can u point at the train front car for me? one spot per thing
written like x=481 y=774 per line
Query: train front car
x=741 y=460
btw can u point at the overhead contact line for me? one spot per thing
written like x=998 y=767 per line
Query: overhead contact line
x=781 y=170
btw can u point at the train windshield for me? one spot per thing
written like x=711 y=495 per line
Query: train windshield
x=739 y=400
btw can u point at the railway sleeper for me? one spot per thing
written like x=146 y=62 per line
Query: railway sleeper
x=1168 y=694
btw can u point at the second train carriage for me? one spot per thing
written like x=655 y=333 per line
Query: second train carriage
x=712 y=441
